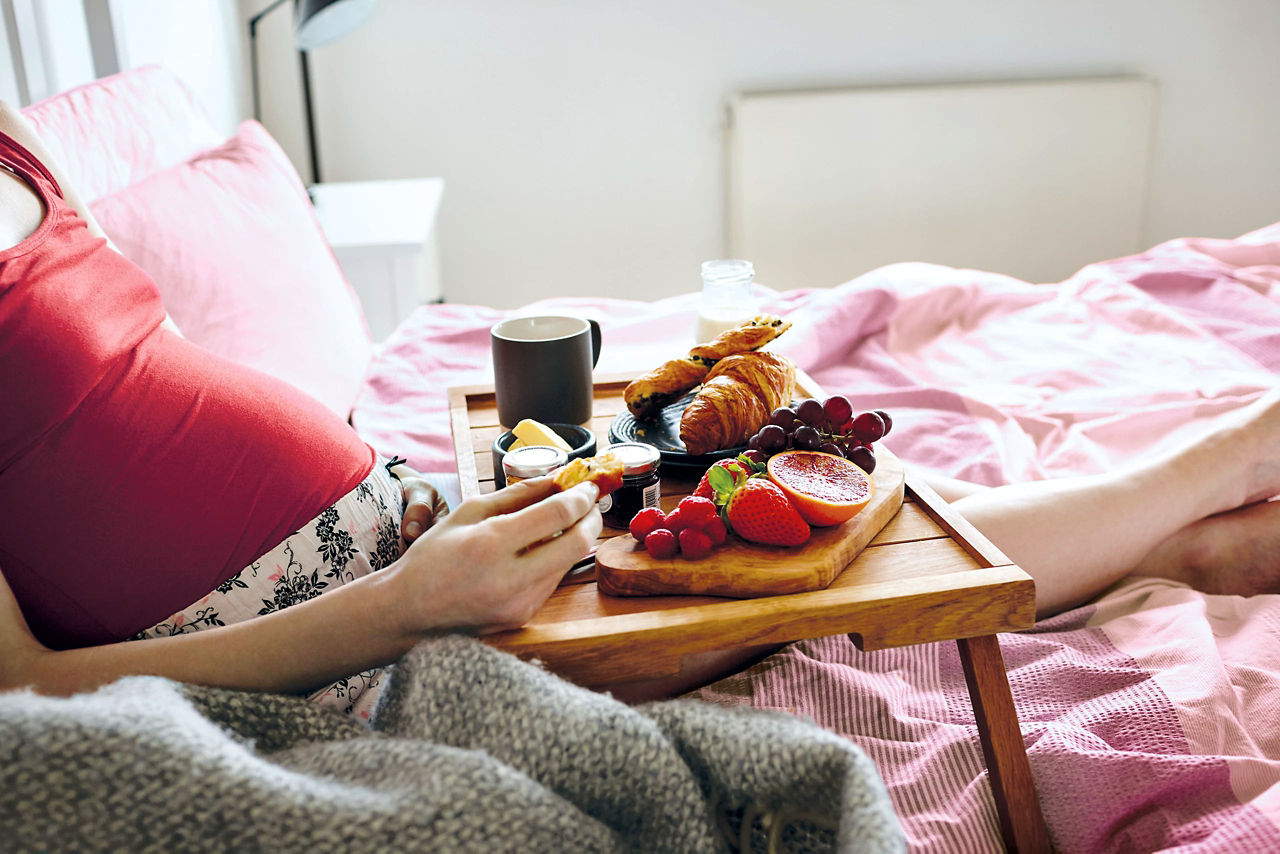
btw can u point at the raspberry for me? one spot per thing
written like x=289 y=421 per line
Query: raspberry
x=677 y=521
x=661 y=544
x=694 y=544
x=645 y=521
x=696 y=511
x=715 y=530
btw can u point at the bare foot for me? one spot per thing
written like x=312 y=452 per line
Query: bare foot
x=1235 y=553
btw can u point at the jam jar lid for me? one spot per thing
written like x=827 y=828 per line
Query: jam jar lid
x=533 y=460
x=638 y=459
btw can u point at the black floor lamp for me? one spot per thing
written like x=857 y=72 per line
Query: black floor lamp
x=316 y=23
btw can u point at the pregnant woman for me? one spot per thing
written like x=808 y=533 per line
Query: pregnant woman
x=152 y=491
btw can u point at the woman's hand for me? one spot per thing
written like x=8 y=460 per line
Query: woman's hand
x=423 y=504
x=492 y=563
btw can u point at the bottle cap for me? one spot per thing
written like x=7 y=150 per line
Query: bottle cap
x=637 y=457
x=533 y=461
x=731 y=270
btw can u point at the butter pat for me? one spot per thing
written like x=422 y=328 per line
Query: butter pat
x=530 y=432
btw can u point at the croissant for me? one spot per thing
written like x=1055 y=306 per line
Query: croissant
x=735 y=401
x=752 y=335
x=667 y=383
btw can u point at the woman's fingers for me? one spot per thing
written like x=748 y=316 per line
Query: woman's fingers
x=423 y=503
x=528 y=511
x=508 y=500
x=546 y=518
x=424 y=506
x=539 y=569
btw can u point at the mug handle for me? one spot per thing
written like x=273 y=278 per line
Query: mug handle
x=595 y=342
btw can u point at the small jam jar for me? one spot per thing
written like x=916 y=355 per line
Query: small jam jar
x=531 y=461
x=639 y=488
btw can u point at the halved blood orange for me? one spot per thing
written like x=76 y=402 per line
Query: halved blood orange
x=826 y=489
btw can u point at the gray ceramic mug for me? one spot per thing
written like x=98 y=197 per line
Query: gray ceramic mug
x=542 y=368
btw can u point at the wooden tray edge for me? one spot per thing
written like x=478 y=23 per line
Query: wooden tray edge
x=464 y=456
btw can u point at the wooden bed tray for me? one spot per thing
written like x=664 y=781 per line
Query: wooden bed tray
x=927 y=576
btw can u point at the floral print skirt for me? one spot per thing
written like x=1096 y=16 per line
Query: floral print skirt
x=357 y=535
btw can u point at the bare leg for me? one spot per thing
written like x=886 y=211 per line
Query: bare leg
x=952 y=489
x=1076 y=536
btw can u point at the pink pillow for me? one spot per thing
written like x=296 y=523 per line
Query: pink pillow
x=242 y=265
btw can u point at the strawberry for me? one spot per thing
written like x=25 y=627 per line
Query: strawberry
x=733 y=467
x=761 y=512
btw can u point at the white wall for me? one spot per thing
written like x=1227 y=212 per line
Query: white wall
x=581 y=141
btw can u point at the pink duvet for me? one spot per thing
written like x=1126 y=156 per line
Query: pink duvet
x=1152 y=716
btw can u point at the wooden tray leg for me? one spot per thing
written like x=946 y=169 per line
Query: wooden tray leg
x=1021 y=821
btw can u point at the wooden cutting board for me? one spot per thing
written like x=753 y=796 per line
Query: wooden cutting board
x=746 y=570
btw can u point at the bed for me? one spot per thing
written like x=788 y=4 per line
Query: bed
x=1151 y=716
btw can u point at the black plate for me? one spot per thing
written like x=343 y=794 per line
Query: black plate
x=663 y=432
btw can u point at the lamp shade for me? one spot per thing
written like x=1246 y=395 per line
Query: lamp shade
x=321 y=22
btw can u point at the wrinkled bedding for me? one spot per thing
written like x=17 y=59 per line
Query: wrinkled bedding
x=1151 y=716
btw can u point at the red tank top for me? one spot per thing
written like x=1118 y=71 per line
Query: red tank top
x=137 y=471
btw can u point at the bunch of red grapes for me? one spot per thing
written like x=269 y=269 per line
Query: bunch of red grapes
x=828 y=426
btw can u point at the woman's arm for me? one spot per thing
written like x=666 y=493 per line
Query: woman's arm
x=484 y=568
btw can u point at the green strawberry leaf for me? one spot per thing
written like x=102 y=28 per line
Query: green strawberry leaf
x=720 y=479
x=751 y=465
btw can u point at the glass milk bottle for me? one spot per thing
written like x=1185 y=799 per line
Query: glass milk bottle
x=727 y=301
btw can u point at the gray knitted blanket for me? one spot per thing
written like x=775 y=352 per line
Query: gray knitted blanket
x=470 y=749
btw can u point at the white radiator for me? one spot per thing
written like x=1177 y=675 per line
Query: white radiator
x=1033 y=179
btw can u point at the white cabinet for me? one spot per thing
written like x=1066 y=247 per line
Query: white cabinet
x=383 y=235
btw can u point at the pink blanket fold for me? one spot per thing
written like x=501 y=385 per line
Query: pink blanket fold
x=990 y=379
x=1150 y=716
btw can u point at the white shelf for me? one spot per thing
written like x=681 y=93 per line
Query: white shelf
x=383 y=235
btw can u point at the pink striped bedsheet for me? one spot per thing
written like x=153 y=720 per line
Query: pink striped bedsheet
x=1150 y=720
x=1151 y=716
